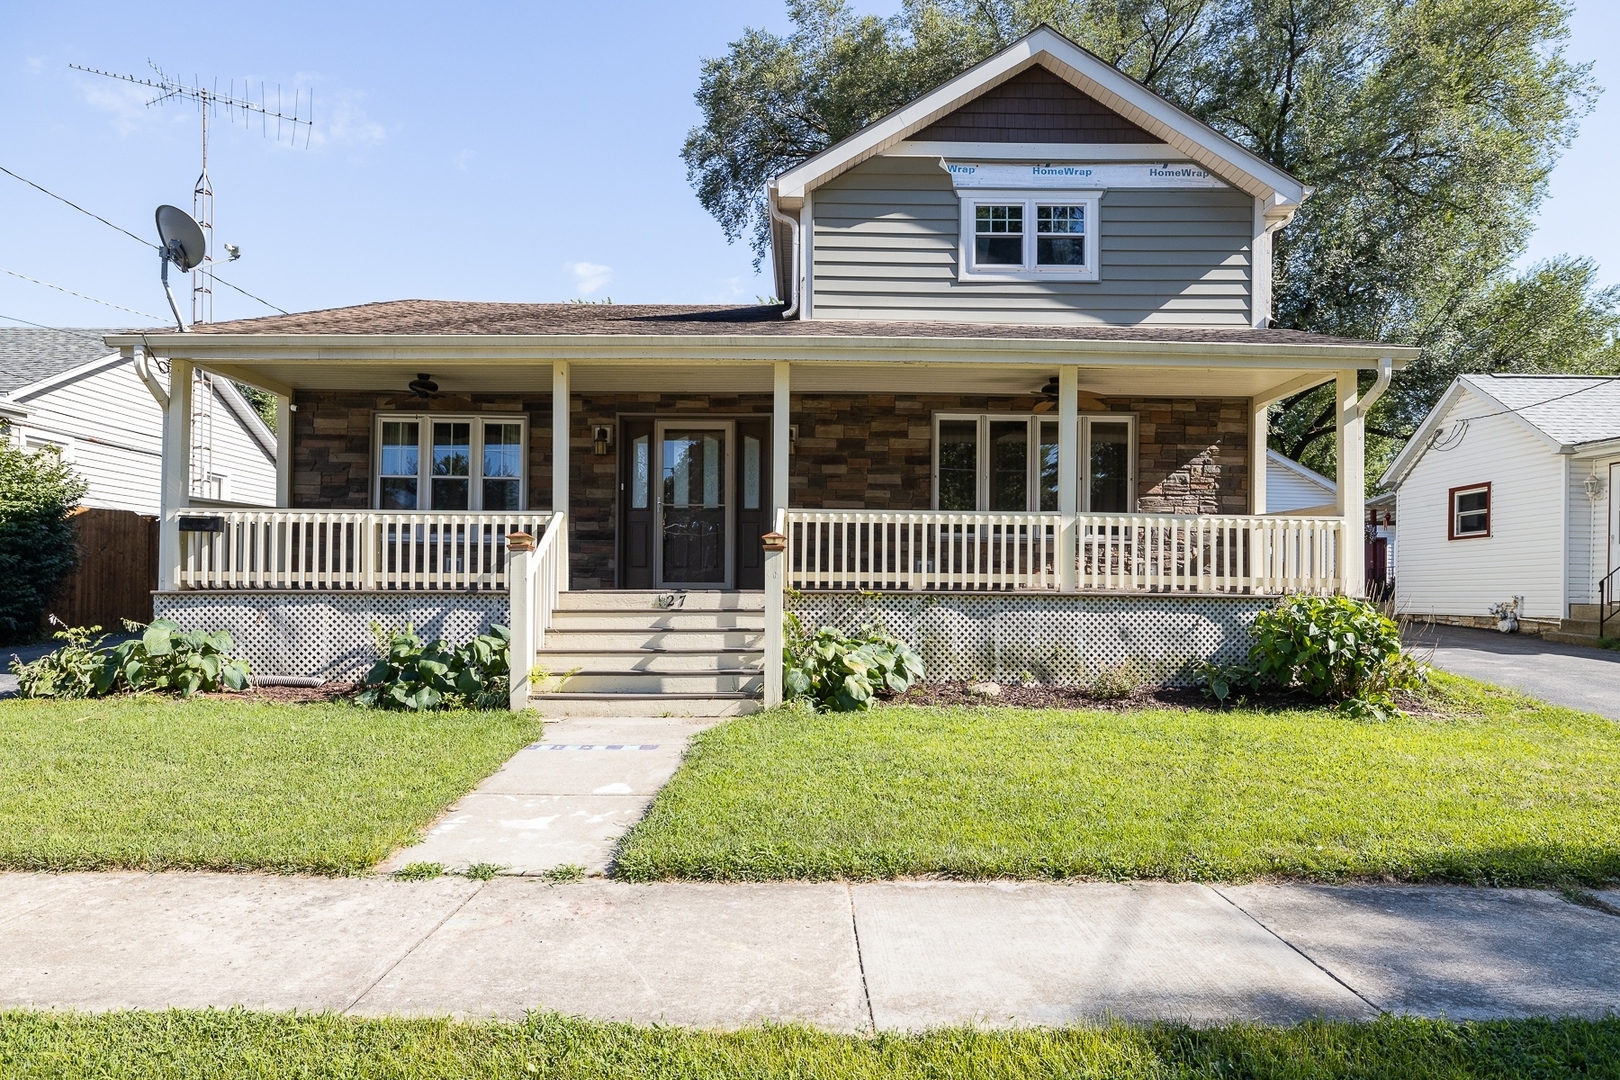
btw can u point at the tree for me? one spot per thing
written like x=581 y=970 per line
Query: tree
x=1426 y=128
x=39 y=546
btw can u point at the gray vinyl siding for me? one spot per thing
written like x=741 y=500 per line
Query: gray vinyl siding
x=884 y=246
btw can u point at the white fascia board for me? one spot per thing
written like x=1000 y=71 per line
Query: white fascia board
x=1118 y=91
x=1304 y=472
x=989 y=151
x=63 y=378
x=10 y=410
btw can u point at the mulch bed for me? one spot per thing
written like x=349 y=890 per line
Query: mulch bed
x=292 y=695
x=1183 y=699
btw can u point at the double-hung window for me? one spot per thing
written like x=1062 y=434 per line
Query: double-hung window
x=436 y=462
x=1009 y=462
x=1009 y=235
x=1470 y=512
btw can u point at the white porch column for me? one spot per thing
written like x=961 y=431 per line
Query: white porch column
x=1352 y=454
x=284 y=451
x=1068 y=473
x=561 y=421
x=781 y=445
x=1259 y=429
x=175 y=489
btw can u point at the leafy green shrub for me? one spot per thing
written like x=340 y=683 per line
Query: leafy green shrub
x=164 y=659
x=842 y=673
x=39 y=546
x=1332 y=647
x=419 y=677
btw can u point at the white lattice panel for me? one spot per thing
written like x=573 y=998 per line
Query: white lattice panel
x=1059 y=639
x=327 y=633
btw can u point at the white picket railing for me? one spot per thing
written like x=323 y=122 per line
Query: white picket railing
x=346 y=549
x=1209 y=554
x=963 y=552
x=933 y=551
x=538 y=571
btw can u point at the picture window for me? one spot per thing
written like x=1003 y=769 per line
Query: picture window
x=432 y=462
x=1008 y=462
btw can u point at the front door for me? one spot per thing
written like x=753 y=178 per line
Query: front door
x=692 y=511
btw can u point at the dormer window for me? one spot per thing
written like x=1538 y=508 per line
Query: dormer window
x=999 y=243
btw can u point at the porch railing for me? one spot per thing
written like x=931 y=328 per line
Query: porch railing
x=343 y=549
x=1155 y=553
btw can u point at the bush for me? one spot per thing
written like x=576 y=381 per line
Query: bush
x=1330 y=647
x=39 y=546
x=417 y=677
x=842 y=673
x=164 y=659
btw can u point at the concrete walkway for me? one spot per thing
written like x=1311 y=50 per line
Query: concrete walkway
x=889 y=955
x=1572 y=675
x=562 y=801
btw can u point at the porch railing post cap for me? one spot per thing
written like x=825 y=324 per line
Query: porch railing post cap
x=520 y=541
x=774 y=541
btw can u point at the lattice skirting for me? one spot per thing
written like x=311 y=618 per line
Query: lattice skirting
x=327 y=633
x=1062 y=639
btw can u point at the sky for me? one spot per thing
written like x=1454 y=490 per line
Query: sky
x=474 y=151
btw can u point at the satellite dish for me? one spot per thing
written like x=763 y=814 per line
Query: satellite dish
x=182 y=237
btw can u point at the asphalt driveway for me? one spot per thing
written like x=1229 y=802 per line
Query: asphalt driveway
x=1572 y=675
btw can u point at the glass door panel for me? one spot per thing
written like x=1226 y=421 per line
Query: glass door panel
x=692 y=493
x=1109 y=470
x=1009 y=465
x=503 y=462
x=396 y=473
x=958 y=464
x=1046 y=465
x=452 y=465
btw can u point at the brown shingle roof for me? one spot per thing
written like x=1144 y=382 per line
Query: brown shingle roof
x=466 y=317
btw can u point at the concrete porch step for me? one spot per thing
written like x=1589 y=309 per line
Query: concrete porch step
x=596 y=704
x=651 y=660
x=1565 y=638
x=624 y=619
x=576 y=640
x=1588 y=627
x=660 y=600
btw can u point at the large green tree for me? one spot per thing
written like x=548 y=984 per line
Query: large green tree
x=1426 y=129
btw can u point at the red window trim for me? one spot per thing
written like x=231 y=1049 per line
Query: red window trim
x=1451 y=512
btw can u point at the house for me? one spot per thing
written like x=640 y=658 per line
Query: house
x=1292 y=488
x=1506 y=490
x=65 y=389
x=1014 y=409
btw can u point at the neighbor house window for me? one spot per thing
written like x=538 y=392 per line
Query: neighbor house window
x=1470 y=512
x=429 y=462
x=1008 y=462
x=1020 y=235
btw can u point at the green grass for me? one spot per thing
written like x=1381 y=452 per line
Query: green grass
x=270 y=1046
x=154 y=783
x=1492 y=788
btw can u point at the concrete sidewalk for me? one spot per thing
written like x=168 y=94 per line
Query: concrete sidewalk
x=889 y=955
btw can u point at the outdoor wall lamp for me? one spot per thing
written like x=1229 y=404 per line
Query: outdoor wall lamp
x=1594 y=486
x=601 y=439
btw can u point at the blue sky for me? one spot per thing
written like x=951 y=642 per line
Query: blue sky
x=467 y=151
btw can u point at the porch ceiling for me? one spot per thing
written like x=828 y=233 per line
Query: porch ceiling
x=811 y=377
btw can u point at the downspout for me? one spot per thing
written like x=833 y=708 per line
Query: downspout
x=143 y=368
x=1386 y=370
x=795 y=277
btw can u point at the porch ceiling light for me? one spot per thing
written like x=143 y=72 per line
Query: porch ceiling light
x=423 y=386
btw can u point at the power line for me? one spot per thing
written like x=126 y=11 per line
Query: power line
x=132 y=236
x=1460 y=425
x=81 y=296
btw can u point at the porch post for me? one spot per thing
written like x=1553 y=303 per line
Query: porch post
x=1352 y=454
x=1259 y=429
x=284 y=451
x=175 y=488
x=1068 y=473
x=781 y=447
x=775 y=541
x=560 y=423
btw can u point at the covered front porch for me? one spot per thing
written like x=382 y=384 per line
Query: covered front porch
x=1101 y=469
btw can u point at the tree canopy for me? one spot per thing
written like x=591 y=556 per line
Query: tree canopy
x=1426 y=129
x=39 y=546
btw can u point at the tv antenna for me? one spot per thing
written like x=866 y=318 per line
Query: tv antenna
x=210 y=100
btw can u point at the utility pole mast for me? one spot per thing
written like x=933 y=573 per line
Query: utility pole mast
x=211 y=100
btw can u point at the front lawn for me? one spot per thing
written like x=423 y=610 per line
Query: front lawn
x=156 y=783
x=1487 y=787
x=115 y=1046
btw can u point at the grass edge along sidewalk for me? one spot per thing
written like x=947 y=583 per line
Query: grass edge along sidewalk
x=151 y=783
x=68 y=1046
x=1484 y=786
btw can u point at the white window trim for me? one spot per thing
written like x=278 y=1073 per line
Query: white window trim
x=424 y=454
x=1033 y=484
x=974 y=197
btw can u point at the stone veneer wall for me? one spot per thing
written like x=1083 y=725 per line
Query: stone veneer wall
x=854 y=451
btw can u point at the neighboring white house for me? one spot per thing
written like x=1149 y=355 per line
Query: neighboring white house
x=63 y=388
x=1292 y=488
x=1508 y=489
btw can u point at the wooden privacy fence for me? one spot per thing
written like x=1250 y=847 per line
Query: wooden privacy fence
x=1156 y=553
x=118 y=569
x=365 y=550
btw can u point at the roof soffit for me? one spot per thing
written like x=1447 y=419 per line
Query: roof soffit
x=1087 y=73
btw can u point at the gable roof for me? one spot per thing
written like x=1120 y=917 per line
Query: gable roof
x=1034 y=106
x=29 y=355
x=1566 y=412
x=1088 y=73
